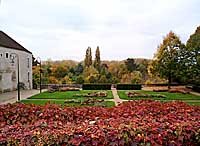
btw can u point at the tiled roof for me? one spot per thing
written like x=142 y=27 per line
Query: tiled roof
x=8 y=42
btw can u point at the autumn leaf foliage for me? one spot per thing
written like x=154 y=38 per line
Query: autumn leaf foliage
x=141 y=122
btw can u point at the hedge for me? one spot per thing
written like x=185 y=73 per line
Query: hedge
x=96 y=86
x=196 y=88
x=129 y=86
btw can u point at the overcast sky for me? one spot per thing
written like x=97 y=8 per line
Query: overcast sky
x=63 y=29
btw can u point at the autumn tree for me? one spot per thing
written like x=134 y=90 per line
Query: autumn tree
x=134 y=77
x=46 y=71
x=88 y=57
x=167 y=58
x=36 y=76
x=79 y=79
x=66 y=80
x=97 y=61
x=142 y=68
x=90 y=74
x=60 y=72
x=130 y=64
x=193 y=56
x=102 y=79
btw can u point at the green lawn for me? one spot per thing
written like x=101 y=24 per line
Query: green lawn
x=69 y=95
x=42 y=102
x=62 y=102
x=189 y=98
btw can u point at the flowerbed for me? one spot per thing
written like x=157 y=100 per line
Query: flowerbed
x=64 y=89
x=143 y=95
x=173 y=90
x=179 y=90
x=139 y=122
x=55 y=88
x=86 y=101
x=91 y=94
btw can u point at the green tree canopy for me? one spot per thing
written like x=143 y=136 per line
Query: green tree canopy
x=167 y=58
x=78 y=69
x=130 y=64
x=193 y=48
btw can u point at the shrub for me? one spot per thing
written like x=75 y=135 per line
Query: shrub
x=96 y=87
x=143 y=95
x=196 y=88
x=129 y=86
x=141 y=122
x=92 y=94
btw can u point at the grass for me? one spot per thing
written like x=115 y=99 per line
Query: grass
x=69 y=95
x=188 y=98
x=170 y=96
x=62 y=102
x=43 y=102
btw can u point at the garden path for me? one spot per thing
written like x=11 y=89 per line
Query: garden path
x=11 y=97
x=117 y=100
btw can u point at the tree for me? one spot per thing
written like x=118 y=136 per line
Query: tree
x=97 y=61
x=142 y=67
x=88 y=57
x=130 y=64
x=131 y=77
x=115 y=80
x=137 y=77
x=53 y=80
x=60 y=71
x=78 y=69
x=193 y=63
x=90 y=74
x=80 y=79
x=36 y=76
x=46 y=71
x=103 y=79
x=66 y=80
x=167 y=58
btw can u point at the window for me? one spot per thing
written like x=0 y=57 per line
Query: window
x=7 y=55
x=28 y=76
x=28 y=62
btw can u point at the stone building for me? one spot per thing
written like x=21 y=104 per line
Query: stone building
x=10 y=52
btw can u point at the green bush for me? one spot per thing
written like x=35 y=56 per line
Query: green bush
x=96 y=87
x=196 y=88
x=129 y=86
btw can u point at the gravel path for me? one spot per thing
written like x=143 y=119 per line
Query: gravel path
x=117 y=100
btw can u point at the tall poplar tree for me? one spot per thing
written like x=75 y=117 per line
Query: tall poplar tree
x=97 y=61
x=88 y=57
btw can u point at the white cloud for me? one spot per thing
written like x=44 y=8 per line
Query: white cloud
x=63 y=29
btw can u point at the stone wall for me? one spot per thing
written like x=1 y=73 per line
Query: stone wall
x=8 y=69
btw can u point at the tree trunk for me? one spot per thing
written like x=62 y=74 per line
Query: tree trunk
x=169 y=80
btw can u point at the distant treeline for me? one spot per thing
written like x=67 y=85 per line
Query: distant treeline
x=174 y=62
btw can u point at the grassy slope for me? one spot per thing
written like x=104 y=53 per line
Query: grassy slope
x=69 y=95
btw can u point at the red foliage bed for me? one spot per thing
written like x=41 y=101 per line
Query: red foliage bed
x=131 y=123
